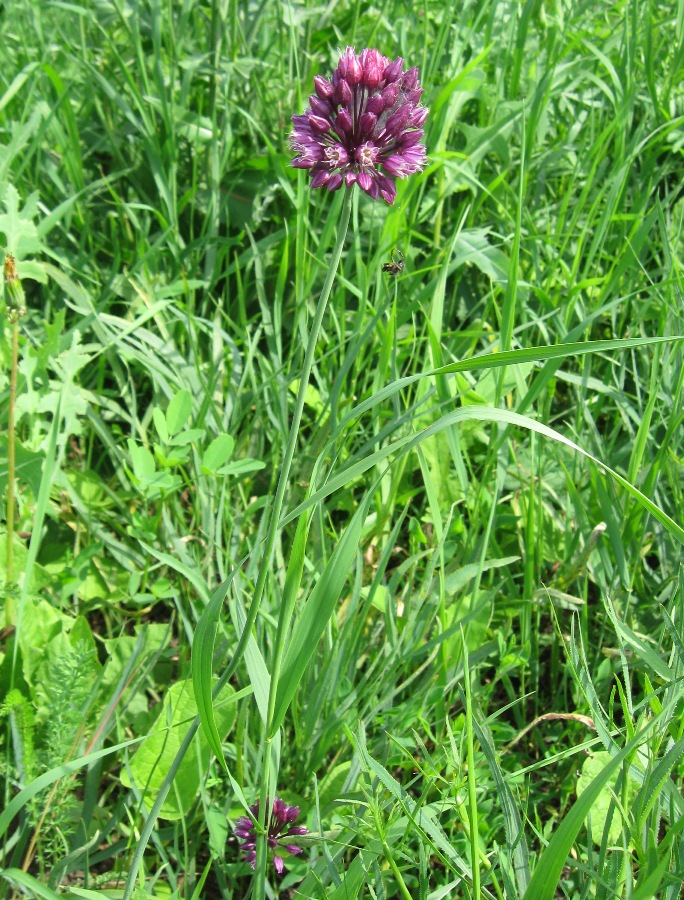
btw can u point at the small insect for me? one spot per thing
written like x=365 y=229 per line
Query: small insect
x=395 y=266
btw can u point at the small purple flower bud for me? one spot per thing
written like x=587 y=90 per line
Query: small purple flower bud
x=418 y=116
x=394 y=165
x=373 y=66
x=318 y=106
x=293 y=849
x=354 y=71
x=343 y=93
x=279 y=864
x=387 y=188
x=335 y=182
x=318 y=123
x=393 y=70
x=350 y=178
x=367 y=123
x=409 y=79
x=389 y=96
x=297 y=829
x=364 y=181
x=397 y=121
x=344 y=120
x=323 y=88
x=319 y=178
x=375 y=104
x=409 y=139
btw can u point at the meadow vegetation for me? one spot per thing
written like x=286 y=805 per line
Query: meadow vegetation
x=480 y=689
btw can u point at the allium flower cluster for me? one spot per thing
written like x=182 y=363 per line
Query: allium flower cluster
x=363 y=127
x=281 y=816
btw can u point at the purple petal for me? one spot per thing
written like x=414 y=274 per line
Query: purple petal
x=320 y=107
x=389 y=95
x=318 y=123
x=398 y=120
x=278 y=864
x=323 y=88
x=293 y=849
x=375 y=104
x=335 y=182
x=344 y=121
x=393 y=70
x=394 y=165
x=343 y=93
x=297 y=829
x=367 y=123
x=410 y=138
x=419 y=115
x=410 y=79
x=251 y=858
x=318 y=179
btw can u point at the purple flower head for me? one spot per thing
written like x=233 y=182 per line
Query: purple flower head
x=363 y=127
x=281 y=816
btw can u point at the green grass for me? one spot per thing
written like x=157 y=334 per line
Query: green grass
x=470 y=603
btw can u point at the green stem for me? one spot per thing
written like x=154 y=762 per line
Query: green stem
x=472 y=784
x=9 y=600
x=260 y=872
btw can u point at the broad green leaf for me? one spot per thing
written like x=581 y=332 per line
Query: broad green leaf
x=142 y=460
x=218 y=452
x=149 y=765
x=241 y=467
x=159 y=420
x=178 y=412
x=202 y=665
x=592 y=767
x=28 y=466
x=187 y=437
x=555 y=855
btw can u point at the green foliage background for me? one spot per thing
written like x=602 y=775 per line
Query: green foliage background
x=494 y=707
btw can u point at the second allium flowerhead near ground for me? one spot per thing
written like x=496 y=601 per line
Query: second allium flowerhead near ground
x=363 y=127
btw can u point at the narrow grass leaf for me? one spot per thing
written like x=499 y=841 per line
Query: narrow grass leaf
x=554 y=857
x=316 y=612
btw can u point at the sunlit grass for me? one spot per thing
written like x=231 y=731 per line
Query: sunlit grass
x=507 y=619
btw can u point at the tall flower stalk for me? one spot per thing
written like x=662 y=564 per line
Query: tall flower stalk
x=363 y=127
x=14 y=299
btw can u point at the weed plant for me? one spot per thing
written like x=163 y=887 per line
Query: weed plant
x=481 y=534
